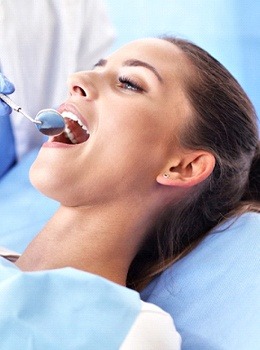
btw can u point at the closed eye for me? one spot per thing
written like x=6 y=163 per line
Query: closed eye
x=129 y=84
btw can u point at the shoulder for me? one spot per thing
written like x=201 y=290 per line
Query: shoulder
x=153 y=329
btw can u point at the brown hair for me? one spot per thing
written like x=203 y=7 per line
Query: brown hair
x=224 y=123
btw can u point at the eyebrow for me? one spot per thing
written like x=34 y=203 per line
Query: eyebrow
x=133 y=63
x=100 y=63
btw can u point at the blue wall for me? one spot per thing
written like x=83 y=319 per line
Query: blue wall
x=228 y=29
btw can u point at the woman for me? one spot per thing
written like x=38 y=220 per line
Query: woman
x=164 y=155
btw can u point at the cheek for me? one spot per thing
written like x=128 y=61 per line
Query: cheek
x=134 y=151
x=134 y=134
x=132 y=121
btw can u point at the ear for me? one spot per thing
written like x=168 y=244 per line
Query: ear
x=188 y=170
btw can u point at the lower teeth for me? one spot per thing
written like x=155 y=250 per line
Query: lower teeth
x=70 y=136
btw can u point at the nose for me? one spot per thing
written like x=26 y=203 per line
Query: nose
x=83 y=84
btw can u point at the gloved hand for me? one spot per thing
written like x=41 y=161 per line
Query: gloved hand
x=6 y=87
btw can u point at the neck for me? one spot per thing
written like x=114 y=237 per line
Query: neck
x=102 y=240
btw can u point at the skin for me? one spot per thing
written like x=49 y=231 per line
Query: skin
x=112 y=187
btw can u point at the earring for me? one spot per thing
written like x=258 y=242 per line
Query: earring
x=167 y=176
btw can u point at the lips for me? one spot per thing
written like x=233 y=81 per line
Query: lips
x=76 y=131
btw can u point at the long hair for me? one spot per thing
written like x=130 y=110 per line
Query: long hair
x=223 y=122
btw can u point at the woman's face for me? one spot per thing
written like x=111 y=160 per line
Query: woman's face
x=133 y=105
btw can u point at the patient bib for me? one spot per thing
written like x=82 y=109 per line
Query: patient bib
x=63 y=309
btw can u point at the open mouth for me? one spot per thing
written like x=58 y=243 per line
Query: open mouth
x=75 y=131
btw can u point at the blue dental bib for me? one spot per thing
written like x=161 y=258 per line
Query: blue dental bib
x=63 y=309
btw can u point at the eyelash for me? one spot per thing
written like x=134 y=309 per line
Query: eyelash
x=134 y=86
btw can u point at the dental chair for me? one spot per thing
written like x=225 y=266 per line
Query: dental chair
x=213 y=293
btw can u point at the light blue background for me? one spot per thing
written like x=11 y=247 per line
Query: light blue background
x=228 y=29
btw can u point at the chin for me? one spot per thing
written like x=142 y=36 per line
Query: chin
x=38 y=178
x=44 y=180
x=53 y=184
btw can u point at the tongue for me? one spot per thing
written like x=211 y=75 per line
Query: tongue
x=63 y=138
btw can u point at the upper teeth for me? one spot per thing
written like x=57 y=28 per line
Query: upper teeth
x=70 y=115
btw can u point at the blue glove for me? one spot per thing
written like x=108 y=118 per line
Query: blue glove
x=6 y=87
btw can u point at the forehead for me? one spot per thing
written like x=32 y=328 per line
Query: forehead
x=150 y=46
x=166 y=57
